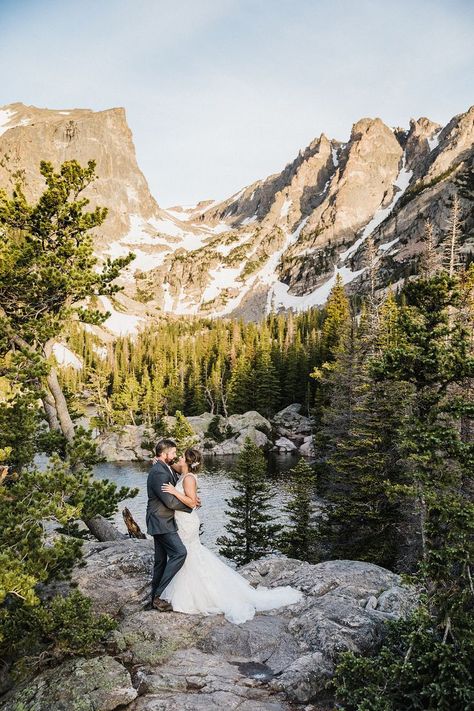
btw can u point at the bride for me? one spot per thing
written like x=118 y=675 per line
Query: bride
x=205 y=584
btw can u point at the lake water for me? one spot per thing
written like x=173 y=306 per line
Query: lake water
x=215 y=486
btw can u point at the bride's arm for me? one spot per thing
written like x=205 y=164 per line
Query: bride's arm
x=189 y=485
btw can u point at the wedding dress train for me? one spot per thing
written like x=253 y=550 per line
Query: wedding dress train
x=206 y=585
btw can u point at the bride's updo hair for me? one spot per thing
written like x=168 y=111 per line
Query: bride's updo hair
x=193 y=459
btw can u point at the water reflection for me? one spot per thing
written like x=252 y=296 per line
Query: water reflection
x=215 y=485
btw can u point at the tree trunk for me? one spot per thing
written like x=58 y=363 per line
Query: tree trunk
x=102 y=529
x=50 y=412
x=65 y=421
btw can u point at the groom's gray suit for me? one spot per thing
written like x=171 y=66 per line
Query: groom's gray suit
x=170 y=552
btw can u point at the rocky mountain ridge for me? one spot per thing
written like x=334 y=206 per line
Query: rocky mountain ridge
x=276 y=244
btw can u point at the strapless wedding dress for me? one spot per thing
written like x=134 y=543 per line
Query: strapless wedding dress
x=206 y=585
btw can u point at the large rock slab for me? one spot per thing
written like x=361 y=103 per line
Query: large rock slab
x=195 y=680
x=116 y=575
x=99 y=684
x=255 y=435
x=307 y=449
x=200 y=423
x=278 y=658
x=228 y=447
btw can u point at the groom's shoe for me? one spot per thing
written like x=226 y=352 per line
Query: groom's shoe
x=161 y=605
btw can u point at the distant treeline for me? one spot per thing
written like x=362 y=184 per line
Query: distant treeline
x=196 y=365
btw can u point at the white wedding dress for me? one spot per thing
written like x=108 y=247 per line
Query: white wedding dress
x=205 y=585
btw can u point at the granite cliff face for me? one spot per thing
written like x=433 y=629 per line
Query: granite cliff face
x=277 y=243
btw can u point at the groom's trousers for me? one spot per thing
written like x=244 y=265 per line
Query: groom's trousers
x=170 y=555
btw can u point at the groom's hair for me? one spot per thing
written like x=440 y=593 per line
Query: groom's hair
x=163 y=445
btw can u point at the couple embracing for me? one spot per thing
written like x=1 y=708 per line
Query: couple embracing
x=187 y=576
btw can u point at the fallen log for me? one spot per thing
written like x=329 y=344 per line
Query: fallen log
x=104 y=530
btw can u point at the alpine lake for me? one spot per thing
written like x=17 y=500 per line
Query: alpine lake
x=215 y=485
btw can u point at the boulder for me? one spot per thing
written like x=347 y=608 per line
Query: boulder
x=289 y=421
x=125 y=445
x=235 y=444
x=99 y=684
x=283 y=444
x=256 y=436
x=200 y=423
x=116 y=574
x=252 y=418
x=168 y=422
x=307 y=449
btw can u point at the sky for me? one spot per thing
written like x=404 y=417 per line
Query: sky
x=220 y=93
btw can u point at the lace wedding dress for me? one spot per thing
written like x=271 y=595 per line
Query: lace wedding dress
x=206 y=585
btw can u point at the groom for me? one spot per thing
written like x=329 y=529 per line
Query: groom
x=170 y=552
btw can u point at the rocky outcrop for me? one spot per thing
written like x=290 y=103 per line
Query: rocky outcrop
x=234 y=431
x=99 y=684
x=30 y=135
x=293 y=431
x=178 y=661
x=125 y=444
x=289 y=431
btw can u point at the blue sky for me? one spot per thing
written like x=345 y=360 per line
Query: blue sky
x=219 y=93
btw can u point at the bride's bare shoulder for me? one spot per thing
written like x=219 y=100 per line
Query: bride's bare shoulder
x=185 y=476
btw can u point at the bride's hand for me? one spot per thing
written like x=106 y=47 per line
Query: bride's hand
x=169 y=488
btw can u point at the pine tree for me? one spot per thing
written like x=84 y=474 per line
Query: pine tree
x=451 y=259
x=337 y=318
x=240 y=389
x=267 y=387
x=299 y=536
x=182 y=433
x=426 y=660
x=251 y=526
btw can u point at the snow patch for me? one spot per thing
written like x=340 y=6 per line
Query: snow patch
x=249 y=220
x=6 y=116
x=335 y=159
x=178 y=215
x=285 y=208
x=168 y=299
x=145 y=261
x=221 y=278
x=433 y=142
x=100 y=350
x=66 y=357
x=236 y=196
x=218 y=229
x=168 y=227
x=121 y=324
x=226 y=249
x=385 y=247
x=279 y=296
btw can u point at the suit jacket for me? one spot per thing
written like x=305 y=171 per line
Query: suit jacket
x=161 y=505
